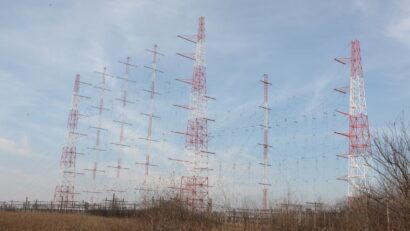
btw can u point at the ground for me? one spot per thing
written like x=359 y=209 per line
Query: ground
x=39 y=221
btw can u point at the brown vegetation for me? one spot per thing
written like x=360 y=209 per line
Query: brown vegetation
x=390 y=163
x=171 y=217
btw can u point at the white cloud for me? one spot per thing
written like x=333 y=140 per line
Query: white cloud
x=362 y=5
x=400 y=30
x=20 y=148
x=19 y=180
x=399 y=23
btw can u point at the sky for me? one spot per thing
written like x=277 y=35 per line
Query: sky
x=44 y=44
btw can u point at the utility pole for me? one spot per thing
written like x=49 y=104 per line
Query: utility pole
x=316 y=206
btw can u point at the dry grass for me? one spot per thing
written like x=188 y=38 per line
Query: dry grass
x=166 y=219
x=17 y=221
x=36 y=221
x=51 y=221
x=171 y=215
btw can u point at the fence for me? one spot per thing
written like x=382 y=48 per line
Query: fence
x=126 y=208
x=119 y=206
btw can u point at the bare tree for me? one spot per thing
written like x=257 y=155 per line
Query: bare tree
x=390 y=164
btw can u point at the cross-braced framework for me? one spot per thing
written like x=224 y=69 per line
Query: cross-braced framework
x=359 y=156
x=97 y=148
x=265 y=106
x=194 y=188
x=150 y=115
x=64 y=193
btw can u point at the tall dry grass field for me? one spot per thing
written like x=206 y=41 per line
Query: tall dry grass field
x=13 y=221
x=37 y=221
x=176 y=218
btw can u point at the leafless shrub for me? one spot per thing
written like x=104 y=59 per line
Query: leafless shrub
x=390 y=163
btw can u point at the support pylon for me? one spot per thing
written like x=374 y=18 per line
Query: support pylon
x=151 y=114
x=265 y=164
x=96 y=149
x=194 y=188
x=359 y=156
x=120 y=144
x=64 y=193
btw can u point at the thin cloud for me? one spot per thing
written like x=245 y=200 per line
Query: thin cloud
x=400 y=31
x=17 y=148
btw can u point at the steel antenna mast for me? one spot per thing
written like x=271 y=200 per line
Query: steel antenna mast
x=194 y=188
x=359 y=155
x=151 y=114
x=96 y=149
x=265 y=106
x=122 y=121
x=64 y=194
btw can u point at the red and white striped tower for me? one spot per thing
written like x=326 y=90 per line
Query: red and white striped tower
x=358 y=176
x=64 y=193
x=151 y=114
x=121 y=145
x=194 y=188
x=265 y=106
x=96 y=149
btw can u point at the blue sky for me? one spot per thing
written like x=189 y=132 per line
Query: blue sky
x=45 y=43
